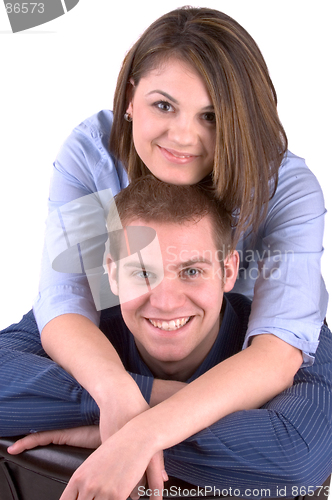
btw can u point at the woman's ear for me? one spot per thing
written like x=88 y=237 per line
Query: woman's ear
x=231 y=267
x=112 y=274
x=130 y=95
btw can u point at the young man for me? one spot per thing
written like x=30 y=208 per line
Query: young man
x=170 y=267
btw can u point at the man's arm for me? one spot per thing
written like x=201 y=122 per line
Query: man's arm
x=247 y=380
x=164 y=389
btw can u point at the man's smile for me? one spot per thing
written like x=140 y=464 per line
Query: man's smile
x=173 y=324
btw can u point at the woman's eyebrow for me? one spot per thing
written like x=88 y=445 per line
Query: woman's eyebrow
x=164 y=94
x=209 y=107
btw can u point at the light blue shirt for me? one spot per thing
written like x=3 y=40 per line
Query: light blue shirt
x=279 y=268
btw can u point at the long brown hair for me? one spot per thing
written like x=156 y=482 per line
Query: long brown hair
x=250 y=140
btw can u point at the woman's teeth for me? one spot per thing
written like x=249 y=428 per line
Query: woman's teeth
x=178 y=155
x=174 y=324
x=181 y=156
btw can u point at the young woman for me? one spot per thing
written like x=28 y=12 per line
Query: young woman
x=194 y=103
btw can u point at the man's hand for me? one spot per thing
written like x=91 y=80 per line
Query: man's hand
x=84 y=437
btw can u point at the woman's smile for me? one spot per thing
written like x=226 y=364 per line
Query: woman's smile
x=177 y=157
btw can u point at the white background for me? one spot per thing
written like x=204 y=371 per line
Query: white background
x=55 y=75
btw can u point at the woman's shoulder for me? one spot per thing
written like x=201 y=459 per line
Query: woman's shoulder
x=95 y=129
x=85 y=160
x=296 y=177
x=92 y=133
x=298 y=197
x=293 y=166
x=98 y=124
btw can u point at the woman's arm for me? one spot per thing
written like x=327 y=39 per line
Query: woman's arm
x=79 y=347
x=289 y=296
x=244 y=381
x=83 y=182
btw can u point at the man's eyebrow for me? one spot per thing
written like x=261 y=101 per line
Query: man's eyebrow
x=133 y=264
x=196 y=260
x=137 y=265
x=210 y=107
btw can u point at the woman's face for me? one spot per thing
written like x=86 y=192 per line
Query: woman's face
x=174 y=128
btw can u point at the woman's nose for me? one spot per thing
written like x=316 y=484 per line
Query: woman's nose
x=183 y=131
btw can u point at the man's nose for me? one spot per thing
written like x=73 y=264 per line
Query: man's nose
x=168 y=295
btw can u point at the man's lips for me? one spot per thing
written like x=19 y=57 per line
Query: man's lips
x=173 y=324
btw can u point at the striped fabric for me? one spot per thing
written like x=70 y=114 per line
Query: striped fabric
x=271 y=451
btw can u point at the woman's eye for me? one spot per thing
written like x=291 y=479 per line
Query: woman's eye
x=209 y=117
x=163 y=106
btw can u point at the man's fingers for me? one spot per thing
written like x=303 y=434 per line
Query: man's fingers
x=86 y=437
x=139 y=489
x=29 y=442
x=155 y=475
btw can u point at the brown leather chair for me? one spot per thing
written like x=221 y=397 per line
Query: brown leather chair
x=38 y=474
x=43 y=473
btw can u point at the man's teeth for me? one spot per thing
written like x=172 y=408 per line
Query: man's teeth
x=174 y=324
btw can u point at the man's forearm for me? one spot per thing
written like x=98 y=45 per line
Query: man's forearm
x=164 y=389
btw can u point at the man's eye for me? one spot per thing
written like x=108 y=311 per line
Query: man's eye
x=191 y=272
x=163 y=106
x=143 y=274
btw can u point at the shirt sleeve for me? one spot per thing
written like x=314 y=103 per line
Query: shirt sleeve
x=84 y=181
x=36 y=394
x=283 y=262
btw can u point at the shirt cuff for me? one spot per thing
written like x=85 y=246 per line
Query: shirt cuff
x=307 y=347
x=89 y=409
x=63 y=299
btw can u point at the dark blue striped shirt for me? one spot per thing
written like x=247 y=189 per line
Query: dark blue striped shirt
x=285 y=444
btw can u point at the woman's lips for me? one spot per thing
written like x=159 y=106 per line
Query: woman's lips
x=177 y=156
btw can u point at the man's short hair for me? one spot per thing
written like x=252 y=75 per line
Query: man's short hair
x=149 y=199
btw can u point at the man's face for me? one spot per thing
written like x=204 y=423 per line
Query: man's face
x=175 y=322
